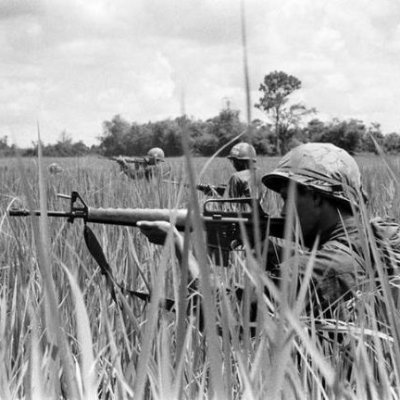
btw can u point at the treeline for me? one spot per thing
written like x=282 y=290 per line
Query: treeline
x=64 y=147
x=206 y=137
x=119 y=137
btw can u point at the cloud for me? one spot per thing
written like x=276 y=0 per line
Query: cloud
x=72 y=66
x=201 y=22
x=19 y=8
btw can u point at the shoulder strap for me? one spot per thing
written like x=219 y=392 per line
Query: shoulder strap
x=97 y=253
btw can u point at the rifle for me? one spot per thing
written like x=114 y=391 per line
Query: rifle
x=143 y=161
x=223 y=228
x=209 y=190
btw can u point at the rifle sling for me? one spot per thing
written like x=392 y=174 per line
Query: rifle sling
x=97 y=253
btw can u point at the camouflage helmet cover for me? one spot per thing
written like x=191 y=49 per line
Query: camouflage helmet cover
x=243 y=151
x=323 y=167
x=156 y=153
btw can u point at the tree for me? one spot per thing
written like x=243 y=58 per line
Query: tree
x=262 y=137
x=313 y=131
x=205 y=145
x=63 y=147
x=276 y=89
x=80 y=149
x=391 y=143
x=374 y=131
x=290 y=120
x=5 y=149
x=114 y=136
x=225 y=127
x=344 y=134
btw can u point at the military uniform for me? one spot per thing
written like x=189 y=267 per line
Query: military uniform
x=147 y=172
x=150 y=169
x=242 y=184
x=340 y=265
x=338 y=271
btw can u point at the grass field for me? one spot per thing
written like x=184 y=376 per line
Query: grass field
x=62 y=335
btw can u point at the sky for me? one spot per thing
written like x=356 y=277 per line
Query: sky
x=68 y=66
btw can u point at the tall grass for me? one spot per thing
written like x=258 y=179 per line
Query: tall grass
x=132 y=349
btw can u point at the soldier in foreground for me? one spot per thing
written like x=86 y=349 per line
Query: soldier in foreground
x=246 y=181
x=323 y=184
x=147 y=167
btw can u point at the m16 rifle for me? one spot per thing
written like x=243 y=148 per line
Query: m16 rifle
x=137 y=161
x=209 y=190
x=223 y=228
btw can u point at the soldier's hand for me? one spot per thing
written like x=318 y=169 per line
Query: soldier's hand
x=156 y=231
x=200 y=187
x=206 y=189
x=121 y=162
x=220 y=190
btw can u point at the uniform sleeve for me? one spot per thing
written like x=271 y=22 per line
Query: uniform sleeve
x=336 y=275
x=130 y=172
x=153 y=172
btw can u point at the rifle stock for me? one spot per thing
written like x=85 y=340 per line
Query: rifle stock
x=223 y=227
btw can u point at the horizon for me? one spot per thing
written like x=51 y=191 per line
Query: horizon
x=76 y=140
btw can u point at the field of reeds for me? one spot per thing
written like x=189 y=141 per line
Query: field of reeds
x=62 y=335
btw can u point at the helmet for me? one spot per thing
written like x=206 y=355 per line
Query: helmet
x=156 y=153
x=55 y=168
x=243 y=151
x=322 y=167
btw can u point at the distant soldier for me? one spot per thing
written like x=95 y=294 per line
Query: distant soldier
x=246 y=181
x=54 y=169
x=146 y=167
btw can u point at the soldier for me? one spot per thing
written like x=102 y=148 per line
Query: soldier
x=246 y=181
x=330 y=206
x=327 y=195
x=146 y=167
x=55 y=169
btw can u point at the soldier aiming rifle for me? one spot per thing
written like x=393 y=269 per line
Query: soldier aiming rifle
x=245 y=181
x=223 y=229
x=147 y=167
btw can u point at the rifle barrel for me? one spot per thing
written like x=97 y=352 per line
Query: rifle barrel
x=133 y=160
x=26 y=213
